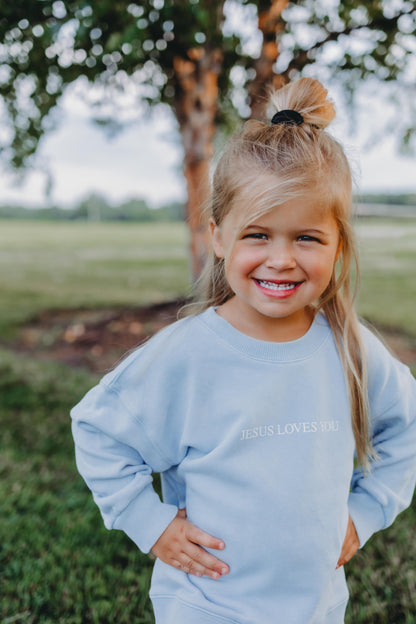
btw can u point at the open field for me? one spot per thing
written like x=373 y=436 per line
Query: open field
x=387 y=251
x=58 y=565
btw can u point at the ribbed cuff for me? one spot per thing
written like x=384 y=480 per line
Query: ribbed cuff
x=366 y=514
x=145 y=519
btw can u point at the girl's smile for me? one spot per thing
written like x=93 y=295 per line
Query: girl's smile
x=277 y=266
x=277 y=289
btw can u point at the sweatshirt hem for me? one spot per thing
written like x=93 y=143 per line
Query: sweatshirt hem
x=180 y=609
x=336 y=614
x=169 y=609
x=341 y=603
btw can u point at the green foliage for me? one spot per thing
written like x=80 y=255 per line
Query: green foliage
x=395 y=199
x=96 y=208
x=49 y=44
x=381 y=577
x=119 y=45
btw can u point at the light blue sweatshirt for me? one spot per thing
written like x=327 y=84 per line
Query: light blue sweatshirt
x=254 y=438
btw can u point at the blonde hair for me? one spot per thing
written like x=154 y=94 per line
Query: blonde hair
x=298 y=159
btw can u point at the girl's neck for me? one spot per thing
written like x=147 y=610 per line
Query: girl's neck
x=269 y=329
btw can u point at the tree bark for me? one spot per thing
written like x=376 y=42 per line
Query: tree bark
x=196 y=103
x=270 y=24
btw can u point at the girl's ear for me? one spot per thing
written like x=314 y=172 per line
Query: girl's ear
x=216 y=239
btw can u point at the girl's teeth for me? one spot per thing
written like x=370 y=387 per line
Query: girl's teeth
x=274 y=286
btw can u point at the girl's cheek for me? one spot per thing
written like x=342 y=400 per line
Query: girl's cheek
x=246 y=258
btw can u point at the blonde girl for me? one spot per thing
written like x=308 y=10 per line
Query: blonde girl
x=254 y=407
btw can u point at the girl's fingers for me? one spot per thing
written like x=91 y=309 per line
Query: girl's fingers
x=350 y=546
x=182 y=545
x=200 y=563
x=190 y=566
x=212 y=566
x=197 y=536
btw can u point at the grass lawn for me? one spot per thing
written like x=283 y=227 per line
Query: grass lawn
x=57 y=562
x=71 y=265
x=387 y=251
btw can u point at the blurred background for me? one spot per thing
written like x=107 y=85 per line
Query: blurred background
x=111 y=116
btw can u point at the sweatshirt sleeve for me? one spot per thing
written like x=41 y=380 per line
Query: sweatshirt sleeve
x=378 y=496
x=129 y=426
x=109 y=443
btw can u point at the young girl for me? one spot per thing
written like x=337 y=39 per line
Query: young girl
x=254 y=407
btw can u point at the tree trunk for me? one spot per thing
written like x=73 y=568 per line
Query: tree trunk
x=270 y=24
x=196 y=102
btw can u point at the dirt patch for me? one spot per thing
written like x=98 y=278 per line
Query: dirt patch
x=400 y=343
x=98 y=339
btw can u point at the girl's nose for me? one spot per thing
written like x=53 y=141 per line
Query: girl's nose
x=281 y=257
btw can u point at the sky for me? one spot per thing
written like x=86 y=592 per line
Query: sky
x=144 y=160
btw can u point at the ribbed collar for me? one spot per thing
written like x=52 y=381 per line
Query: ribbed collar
x=299 y=349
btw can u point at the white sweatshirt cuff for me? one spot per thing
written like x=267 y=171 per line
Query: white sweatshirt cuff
x=367 y=515
x=145 y=519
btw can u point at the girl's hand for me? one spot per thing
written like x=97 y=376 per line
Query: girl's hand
x=350 y=546
x=181 y=546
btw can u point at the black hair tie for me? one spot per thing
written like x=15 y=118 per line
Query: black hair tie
x=288 y=118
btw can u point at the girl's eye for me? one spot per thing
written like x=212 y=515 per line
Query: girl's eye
x=306 y=237
x=256 y=235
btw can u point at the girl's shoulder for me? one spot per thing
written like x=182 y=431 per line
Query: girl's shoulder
x=387 y=375
x=167 y=348
x=376 y=350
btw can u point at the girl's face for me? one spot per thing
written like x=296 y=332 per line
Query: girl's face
x=277 y=267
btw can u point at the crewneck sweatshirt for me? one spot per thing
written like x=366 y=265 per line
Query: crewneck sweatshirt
x=254 y=438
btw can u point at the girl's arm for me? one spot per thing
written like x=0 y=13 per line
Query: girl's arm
x=108 y=440
x=378 y=497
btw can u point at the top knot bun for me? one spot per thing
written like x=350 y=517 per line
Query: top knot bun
x=308 y=97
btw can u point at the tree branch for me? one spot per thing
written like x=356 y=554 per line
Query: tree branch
x=303 y=58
